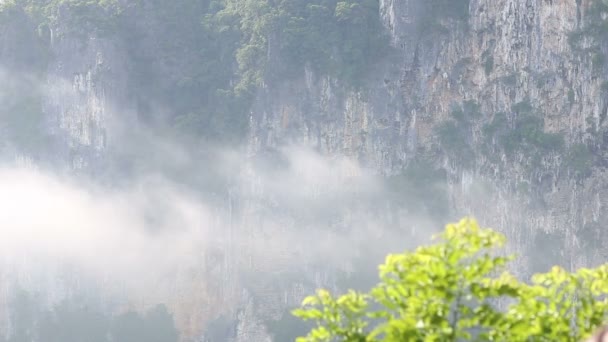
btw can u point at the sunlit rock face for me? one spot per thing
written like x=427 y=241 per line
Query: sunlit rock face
x=87 y=94
x=503 y=53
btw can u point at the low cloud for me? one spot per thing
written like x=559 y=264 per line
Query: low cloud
x=159 y=240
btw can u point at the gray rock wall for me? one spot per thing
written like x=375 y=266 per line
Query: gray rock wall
x=505 y=52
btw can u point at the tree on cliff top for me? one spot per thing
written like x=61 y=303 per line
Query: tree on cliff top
x=452 y=291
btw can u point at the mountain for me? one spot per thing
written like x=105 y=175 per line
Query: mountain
x=494 y=108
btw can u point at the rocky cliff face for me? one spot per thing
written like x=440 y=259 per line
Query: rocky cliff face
x=503 y=53
x=85 y=81
x=504 y=61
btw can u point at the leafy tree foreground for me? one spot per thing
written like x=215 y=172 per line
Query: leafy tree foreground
x=460 y=290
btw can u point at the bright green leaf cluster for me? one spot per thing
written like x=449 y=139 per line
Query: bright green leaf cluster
x=452 y=291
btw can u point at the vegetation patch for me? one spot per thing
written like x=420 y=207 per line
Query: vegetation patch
x=454 y=134
x=592 y=38
x=522 y=132
x=203 y=61
x=421 y=189
x=435 y=14
x=77 y=16
x=488 y=63
x=342 y=39
x=579 y=160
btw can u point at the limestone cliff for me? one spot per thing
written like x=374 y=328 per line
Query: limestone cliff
x=501 y=54
x=475 y=77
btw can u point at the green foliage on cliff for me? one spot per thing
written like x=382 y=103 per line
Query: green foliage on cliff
x=528 y=131
x=590 y=38
x=197 y=65
x=341 y=40
x=453 y=138
x=336 y=38
x=98 y=15
x=522 y=131
x=595 y=26
x=579 y=160
x=271 y=41
x=435 y=14
x=181 y=59
x=421 y=189
x=458 y=9
x=488 y=62
x=83 y=16
x=28 y=50
x=455 y=134
x=518 y=133
x=448 y=292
